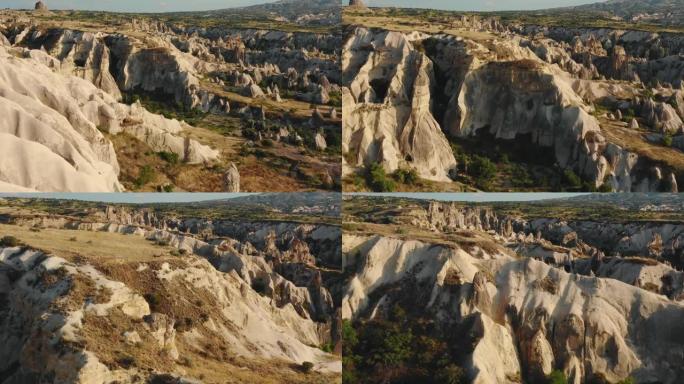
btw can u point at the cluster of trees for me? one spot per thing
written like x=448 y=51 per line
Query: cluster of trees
x=399 y=349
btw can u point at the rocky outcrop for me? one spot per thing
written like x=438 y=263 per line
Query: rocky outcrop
x=540 y=318
x=626 y=239
x=53 y=325
x=231 y=179
x=53 y=133
x=522 y=98
x=537 y=93
x=387 y=106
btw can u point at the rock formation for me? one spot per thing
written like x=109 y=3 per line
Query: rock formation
x=528 y=312
x=206 y=301
x=231 y=179
x=538 y=90
x=59 y=119
x=386 y=114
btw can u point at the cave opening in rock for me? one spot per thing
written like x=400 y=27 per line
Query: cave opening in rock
x=380 y=87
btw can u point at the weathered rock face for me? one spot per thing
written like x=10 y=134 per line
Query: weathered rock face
x=538 y=92
x=54 y=309
x=386 y=110
x=521 y=98
x=262 y=297
x=40 y=6
x=53 y=135
x=540 y=318
x=627 y=239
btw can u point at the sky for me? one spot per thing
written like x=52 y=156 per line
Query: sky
x=135 y=198
x=134 y=5
x=479 y=197
x=479 y=5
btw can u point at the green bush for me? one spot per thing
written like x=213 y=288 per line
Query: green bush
x=557 y=377
x=378 y=180
x=307 y=366
x=153 y=299
x=267 y=143
x=451 y=374
x=145 y=176
x=259 y=286
x=667 y=140
x=169 y=157
x=483 y=171
x=406 y=176
x=9 y=241
x=628 y=380
x=571 y=179
x=521 y=177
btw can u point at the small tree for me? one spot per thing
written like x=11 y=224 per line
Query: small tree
x=451 y=374
x=307 y=367
x=378 y=180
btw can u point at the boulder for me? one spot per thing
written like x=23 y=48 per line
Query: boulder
x=231 y=179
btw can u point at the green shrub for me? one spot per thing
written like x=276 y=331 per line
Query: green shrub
x=307 y=366
x=667 y=140
x=451 y=374
x=628 y=380
x=145 y=176
x=9 y=241
x=483 y=171
x=153 y=299
x=267 y=143
x=406 y=176
x=521 y=177
x=168 y=188
x=378 y=180
x=126 y=361
x=169 y=157
x=557 y=377
x=605 y=188
x=259 y=286
x=571 y=179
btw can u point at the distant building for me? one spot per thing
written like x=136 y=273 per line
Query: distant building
x=40 y=6
x=356 y=3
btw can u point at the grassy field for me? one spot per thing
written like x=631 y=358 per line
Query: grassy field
x=439 y=21
x=400 y=211
x=116 y=20
x=104 y=247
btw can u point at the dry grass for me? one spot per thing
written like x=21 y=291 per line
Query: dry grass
x=103 y=247
x=295 y=108
x=635 y=141
x=464 y=239
x=409 y=24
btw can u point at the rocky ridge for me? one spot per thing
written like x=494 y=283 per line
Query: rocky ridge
x=270 y=296
x=532 y=295
x=551 y=87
